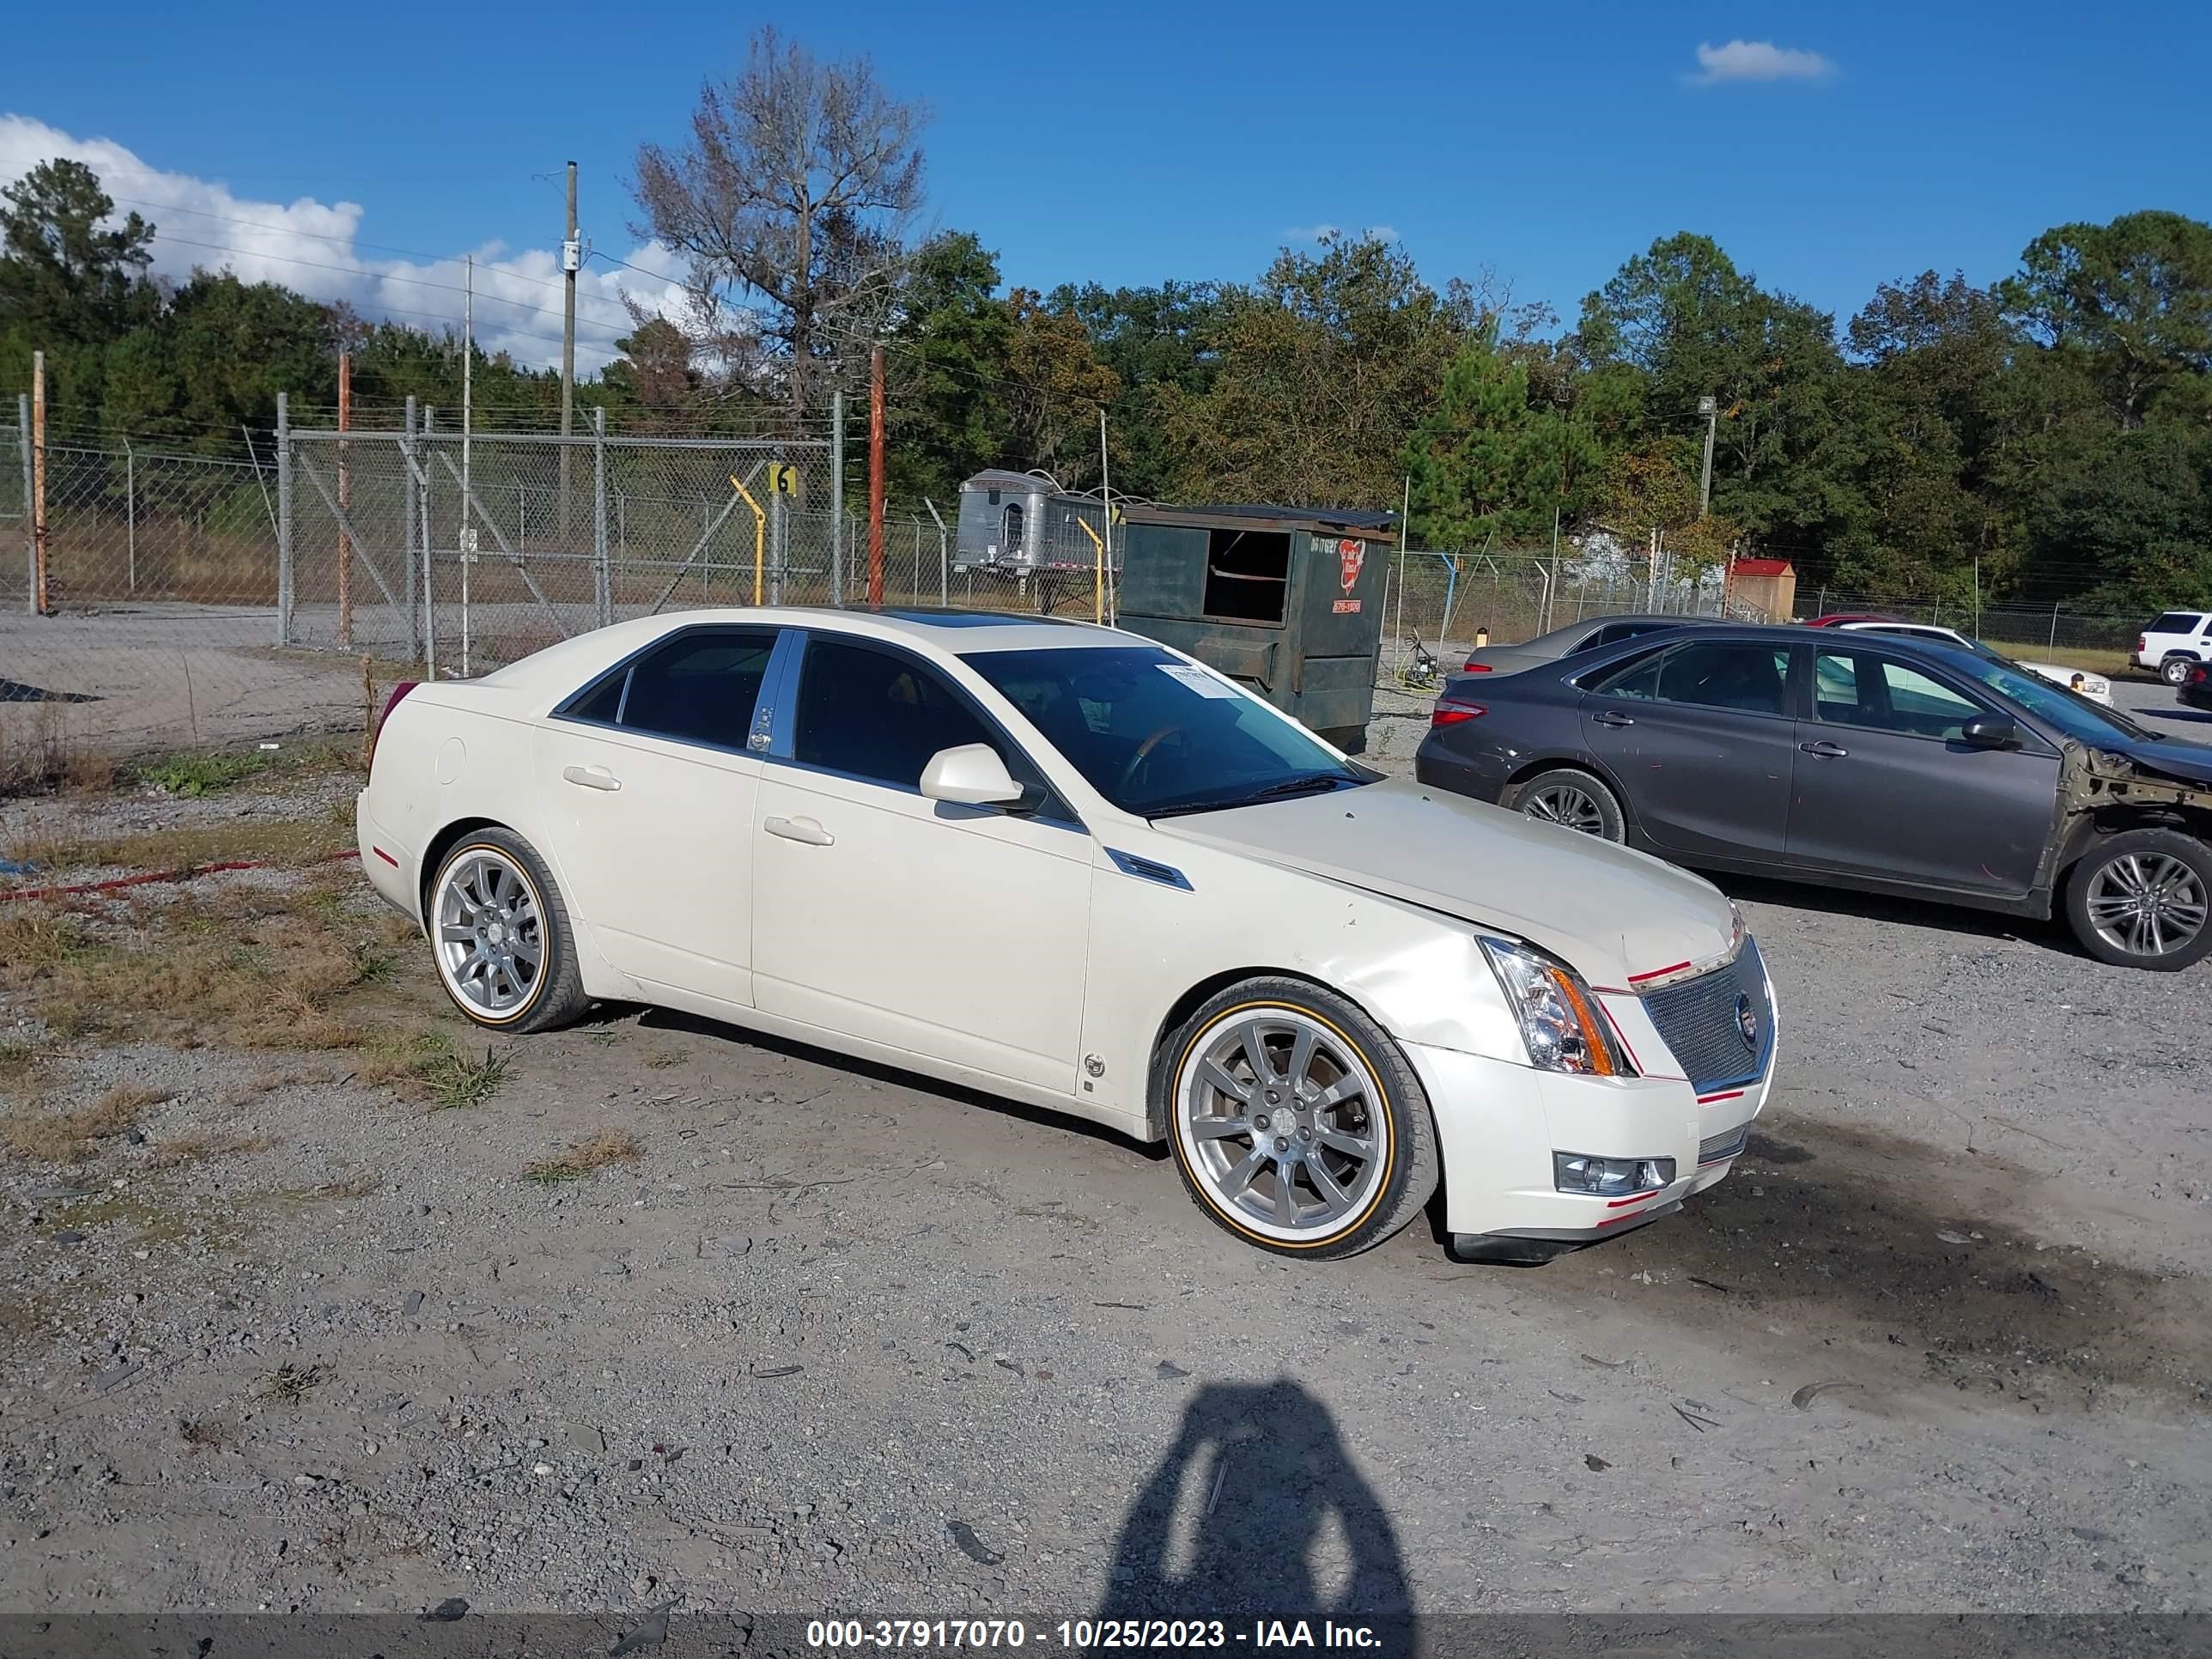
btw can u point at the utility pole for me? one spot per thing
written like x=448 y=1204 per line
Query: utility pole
x=876 y=476
x=571 y=259
x=1710 y=409
x=468 y=389
x=1106 y=500
x=345 y=499
x=38 y=484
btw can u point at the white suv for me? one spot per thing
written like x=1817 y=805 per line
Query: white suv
x=2174 y=643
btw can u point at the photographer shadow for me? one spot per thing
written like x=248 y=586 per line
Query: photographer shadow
x=1250 y=1482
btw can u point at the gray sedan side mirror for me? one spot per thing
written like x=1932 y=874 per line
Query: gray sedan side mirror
x=1989 y=731
x=969 y=775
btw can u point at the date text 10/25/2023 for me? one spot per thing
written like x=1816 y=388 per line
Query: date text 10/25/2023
x=1089 y=1635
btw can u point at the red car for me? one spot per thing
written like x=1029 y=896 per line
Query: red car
x=1838 y=618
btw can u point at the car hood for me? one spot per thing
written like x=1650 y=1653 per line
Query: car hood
x=2184 y=763
x=1612 y=914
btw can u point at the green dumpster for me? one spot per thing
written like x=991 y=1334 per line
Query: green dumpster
x=1287 y=600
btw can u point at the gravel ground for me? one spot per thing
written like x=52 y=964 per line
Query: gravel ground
x=840 y=1339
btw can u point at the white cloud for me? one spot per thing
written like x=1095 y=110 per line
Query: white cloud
x=1757 y=60
x=1310 y=232
x=314 y=247
x=1381 y=232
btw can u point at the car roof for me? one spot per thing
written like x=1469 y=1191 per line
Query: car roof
x=1574 y=630
x=959 y=633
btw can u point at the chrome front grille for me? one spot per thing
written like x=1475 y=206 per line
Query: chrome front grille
x=1699 y=1020
x=1726 y=1143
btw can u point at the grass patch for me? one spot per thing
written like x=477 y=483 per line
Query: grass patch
x=40 y=756
x=457 y=1082
x=292 y=1383
x=2110 y=661
x=284 y=843
x=192 y=774
x=662 y=1062
x=247 y=966
x=584 y=1158
x=67 y=1137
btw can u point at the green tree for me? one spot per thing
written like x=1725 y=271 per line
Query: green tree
x=2130 y=303
x=1485 y=467
x=947 y=368
x=67 y=276
x=1324 y=369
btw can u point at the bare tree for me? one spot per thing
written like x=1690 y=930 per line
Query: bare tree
x=792 y=201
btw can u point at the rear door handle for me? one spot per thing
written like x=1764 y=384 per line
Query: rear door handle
x=1825 y=750
x=804 y=830
x=1614 y=717
x=591 y=777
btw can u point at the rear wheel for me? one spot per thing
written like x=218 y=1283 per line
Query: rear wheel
x=2174 y=670
x=2143 y=899
x=1573 y=800
x=1296 y=1121
x=500 y=934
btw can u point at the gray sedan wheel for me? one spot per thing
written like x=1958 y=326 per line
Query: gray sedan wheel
x=2143 y=899
x=1573 y=800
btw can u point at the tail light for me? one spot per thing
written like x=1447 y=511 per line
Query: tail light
x=2199 y=674
x=1474 y=667
x=2142 y=642
x=1450 y=711
x=390 y=704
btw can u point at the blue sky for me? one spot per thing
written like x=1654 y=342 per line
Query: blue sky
x=1152 y=139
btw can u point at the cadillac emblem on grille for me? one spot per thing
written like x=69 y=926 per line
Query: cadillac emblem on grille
x=1747 y=1022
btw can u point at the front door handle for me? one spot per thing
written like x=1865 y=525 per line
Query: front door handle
x=804 y=829
x=1825 y=750
x=1614 y=717
x=591 y=777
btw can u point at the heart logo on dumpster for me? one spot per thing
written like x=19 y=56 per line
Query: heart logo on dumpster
x=1350 y=556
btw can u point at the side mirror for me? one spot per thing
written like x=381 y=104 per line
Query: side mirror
x=970 y=776
x=1989 y=731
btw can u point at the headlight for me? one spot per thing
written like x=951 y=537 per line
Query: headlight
x=1559 y=1014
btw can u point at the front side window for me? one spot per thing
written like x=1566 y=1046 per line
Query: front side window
x=1156 y=735
x=880 y=715
x=1742 y=674
x=1880 y=694
x=698 y=686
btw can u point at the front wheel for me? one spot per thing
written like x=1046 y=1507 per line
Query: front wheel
x=1571 y=799
x=2141 y=899
x=2174 y=670
x=500 y=933
x=1297 y=1123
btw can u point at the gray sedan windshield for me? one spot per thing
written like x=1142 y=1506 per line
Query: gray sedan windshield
x=2077 y=717
x=1156 y=735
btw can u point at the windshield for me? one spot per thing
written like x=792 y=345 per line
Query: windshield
x=1156 y=735
x=2076 y=716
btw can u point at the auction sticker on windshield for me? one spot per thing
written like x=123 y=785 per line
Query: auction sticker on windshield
x=1197 y=679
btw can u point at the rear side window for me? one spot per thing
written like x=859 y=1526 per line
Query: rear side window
x=698 y=687
x=1745 y=676
x=2176 y=622
x=1620 y=633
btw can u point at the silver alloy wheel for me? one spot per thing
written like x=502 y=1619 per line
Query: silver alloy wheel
x=1567 y=804
x=2176 y=669
x=2147 y=905
x=1283 y=1124
x=491 y=934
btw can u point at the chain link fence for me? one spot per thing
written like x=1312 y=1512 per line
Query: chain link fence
x=190 y=600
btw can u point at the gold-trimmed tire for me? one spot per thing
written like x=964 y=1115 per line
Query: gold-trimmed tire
x=1296 y=1121
x=500 y=937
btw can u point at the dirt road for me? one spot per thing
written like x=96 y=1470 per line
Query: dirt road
x=817 y=1337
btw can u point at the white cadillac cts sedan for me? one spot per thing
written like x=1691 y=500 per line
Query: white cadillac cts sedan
x=1066 y=864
